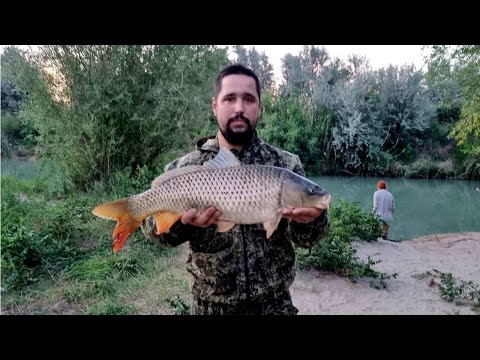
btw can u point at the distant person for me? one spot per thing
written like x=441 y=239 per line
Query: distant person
x=383 y=206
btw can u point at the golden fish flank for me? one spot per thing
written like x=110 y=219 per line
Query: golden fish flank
x=244 y=194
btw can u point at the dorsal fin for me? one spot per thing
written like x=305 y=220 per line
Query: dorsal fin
x=224 y=159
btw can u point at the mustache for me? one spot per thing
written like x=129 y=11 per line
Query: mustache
x=238 y=117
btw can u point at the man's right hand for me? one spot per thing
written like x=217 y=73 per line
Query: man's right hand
x=205 y=219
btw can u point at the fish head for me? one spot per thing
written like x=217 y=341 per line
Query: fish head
x=298 y=191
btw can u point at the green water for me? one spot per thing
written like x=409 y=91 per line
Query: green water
x=423 y=206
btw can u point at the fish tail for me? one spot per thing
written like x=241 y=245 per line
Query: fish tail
x=126 y=223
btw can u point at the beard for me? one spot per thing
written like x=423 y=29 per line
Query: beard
x=238 y=138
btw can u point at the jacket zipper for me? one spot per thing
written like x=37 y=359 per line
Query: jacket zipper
x=247 y=280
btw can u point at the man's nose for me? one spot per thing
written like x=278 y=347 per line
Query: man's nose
x=239 y=108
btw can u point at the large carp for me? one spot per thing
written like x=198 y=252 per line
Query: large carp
x=244 y=194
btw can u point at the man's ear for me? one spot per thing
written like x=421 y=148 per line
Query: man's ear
x=214 y=106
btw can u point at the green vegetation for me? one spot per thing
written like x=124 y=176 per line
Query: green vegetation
x=451 y=290
x=54 y=251
x=337 y=252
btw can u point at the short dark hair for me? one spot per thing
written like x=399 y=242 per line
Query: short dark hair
x=235 y=69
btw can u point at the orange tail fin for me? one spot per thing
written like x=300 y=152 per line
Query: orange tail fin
x=126 y=223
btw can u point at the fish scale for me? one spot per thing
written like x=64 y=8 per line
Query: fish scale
x=250 y=192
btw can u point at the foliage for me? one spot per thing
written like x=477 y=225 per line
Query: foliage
x=259 y=63
x=99 y=109
x=110 y=309
x=291 y=125
x=376 y=118
x=180 y=306
x=40 y=237
x=461 y=64
x=404 y=107
x=336 y=252
x=464 y=290
x=11 y=98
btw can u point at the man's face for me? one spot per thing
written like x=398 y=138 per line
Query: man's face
x=237 y=108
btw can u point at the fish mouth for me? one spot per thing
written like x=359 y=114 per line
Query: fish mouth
x=327 y=200
x=324 y=202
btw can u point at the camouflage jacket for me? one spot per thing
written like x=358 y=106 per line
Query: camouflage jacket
x=241 y=264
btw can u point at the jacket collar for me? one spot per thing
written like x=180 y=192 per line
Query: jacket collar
x=210 y=143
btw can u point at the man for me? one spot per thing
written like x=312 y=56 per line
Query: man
x=383 y=207
x=241 y=271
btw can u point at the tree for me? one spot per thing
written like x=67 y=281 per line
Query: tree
x=300 y=72
x=11 y=97
x=404 y=107
x=294 y=126
x=358 y=130
x=102 y=108
x=259 y=63
x=462 y=64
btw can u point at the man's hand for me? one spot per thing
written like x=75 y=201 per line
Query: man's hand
x=302 y=215
x=205 y=219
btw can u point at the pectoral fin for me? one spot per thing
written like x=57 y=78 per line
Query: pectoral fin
x=164 y=220
x=224 y=226
x=272 y=224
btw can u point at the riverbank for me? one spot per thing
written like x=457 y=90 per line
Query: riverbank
x=414 y=291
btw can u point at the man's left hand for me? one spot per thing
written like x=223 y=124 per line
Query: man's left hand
x=302 y=215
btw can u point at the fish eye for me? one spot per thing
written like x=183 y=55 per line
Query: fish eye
x=311 y=190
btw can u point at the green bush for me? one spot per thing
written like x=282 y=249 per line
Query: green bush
x=116 y=106
x=451 y=291
x=336 y=252
x=61 y=236
x=35 y=236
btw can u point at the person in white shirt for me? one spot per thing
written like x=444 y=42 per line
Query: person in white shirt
x=383 y=206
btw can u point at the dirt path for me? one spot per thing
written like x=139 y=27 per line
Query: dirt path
x=414 y=291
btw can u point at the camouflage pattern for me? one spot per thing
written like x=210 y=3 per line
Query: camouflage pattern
x=241 y=269
x=281 y=304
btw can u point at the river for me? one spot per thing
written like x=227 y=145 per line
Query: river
x=423 y=206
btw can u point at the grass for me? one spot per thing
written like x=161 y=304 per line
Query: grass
x=97 y=286
x=57 y=258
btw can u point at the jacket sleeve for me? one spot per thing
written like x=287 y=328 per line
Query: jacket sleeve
x=178 y=233
x=307 y=235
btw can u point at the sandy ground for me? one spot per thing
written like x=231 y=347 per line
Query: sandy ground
x=415 y=290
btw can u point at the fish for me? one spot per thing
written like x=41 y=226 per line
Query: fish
x=244 y=194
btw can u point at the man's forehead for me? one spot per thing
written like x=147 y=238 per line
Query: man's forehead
x=239 y=84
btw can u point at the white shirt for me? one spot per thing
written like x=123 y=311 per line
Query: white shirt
x=384 y=205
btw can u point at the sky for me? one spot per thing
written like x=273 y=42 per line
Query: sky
x=378 y=55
